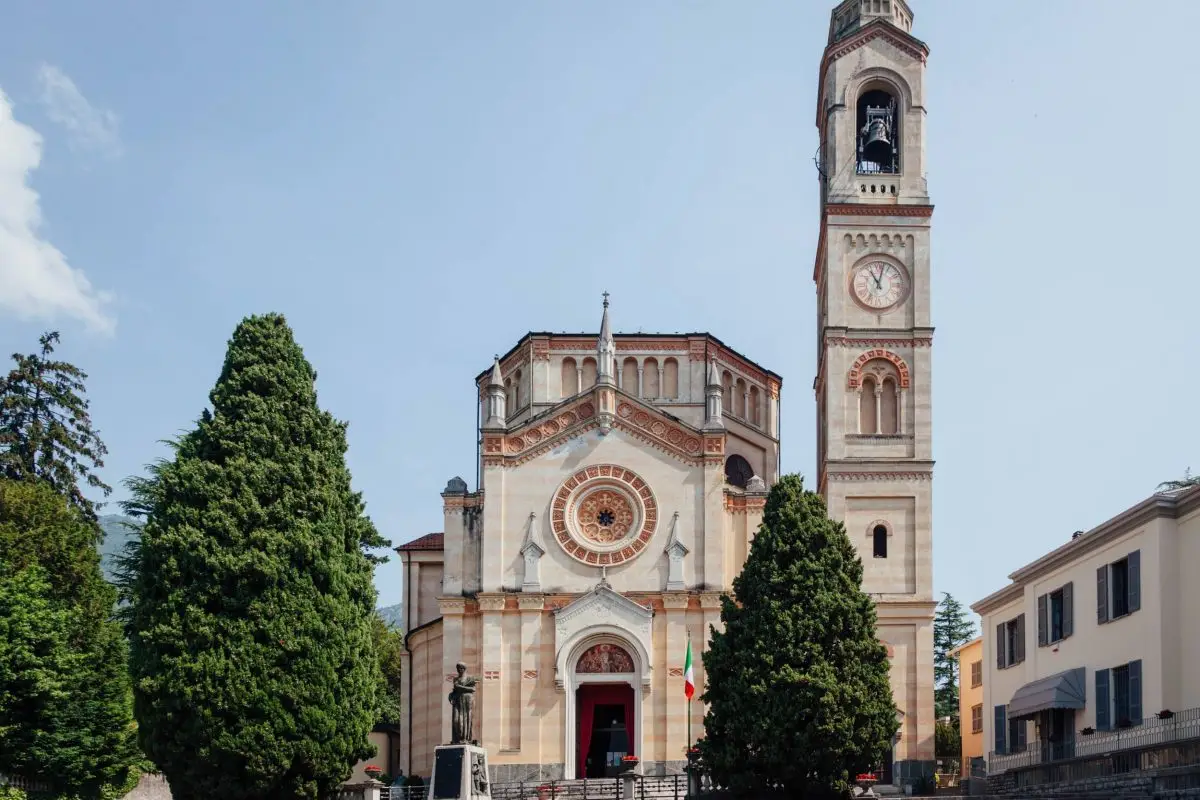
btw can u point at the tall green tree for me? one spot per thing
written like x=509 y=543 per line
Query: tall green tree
x=389 y=645
x=797 y=683
x=952 y=628
x=250 y=601
x=65 y=703
x=46 y=430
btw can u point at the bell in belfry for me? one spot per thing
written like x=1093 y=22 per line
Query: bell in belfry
x=877 y=136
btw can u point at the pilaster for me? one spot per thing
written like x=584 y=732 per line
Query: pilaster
x=675 y=607
x=531 y=608
x=491 y=716
x=714 y=550
x=710 y=614
x=452 y=610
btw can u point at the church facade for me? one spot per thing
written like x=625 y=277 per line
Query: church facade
x=621 y=480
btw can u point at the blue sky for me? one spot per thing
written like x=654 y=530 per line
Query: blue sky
x=416 y=185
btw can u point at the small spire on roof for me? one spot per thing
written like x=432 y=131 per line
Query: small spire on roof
x=497 y=379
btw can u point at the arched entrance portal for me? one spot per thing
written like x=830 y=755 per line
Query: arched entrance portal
x=605 y=694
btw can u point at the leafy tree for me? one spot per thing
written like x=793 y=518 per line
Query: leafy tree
x=1187 y=481
x=797 y=683
x=952 y=628
x=250 y=601
x=947 y=739
x=389 y=645
x=65 y=703
x=45 y=429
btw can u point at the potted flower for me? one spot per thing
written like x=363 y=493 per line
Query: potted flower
x=373 y=771
x=1088 y=731
x=1166 y=713
x=629 y=762
x=865 y=780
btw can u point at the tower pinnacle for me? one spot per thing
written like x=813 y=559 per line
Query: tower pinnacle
x=606 y=350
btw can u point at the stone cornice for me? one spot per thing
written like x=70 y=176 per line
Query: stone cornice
x=531 y=602
x=844 y=475
x=876 y=210
x=1157 y=506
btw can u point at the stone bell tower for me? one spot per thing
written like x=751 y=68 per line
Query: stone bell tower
x=872 y=273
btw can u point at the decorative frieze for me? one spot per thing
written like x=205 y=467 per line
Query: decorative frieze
x=854 y=380
x=879 y=476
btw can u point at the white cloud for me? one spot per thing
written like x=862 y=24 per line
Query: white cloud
x=36 y=282
x=88 y=127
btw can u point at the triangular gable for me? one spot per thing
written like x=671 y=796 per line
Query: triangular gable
x=576 y=416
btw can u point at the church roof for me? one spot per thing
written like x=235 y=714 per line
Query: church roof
x=628 y=337
x=430 y=541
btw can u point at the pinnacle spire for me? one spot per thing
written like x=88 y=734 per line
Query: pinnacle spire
x=497 y=379
x=606 y=350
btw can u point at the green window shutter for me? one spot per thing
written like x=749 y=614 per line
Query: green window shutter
x=1103 y=701
x=1043 y=621
x=1135 y=580
x=1068 y=610
x=1102 y=594
x=1135 y=692
x=1001 y=729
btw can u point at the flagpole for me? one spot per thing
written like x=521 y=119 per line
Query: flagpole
x=689 y=706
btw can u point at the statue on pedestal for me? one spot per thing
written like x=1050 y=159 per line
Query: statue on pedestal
x=462 y=703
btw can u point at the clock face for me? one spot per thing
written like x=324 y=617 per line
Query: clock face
x=879 y=285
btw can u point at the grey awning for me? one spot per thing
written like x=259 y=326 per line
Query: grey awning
x=1064 y=690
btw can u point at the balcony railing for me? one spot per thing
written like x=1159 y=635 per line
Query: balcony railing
x=1180 y=726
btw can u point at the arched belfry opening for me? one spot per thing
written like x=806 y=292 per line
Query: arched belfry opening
x=878 y=132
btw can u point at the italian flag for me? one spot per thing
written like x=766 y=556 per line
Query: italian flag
x=689 y=680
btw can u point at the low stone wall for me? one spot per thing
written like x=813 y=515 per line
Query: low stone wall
x=150 y=787
x=1160 y=784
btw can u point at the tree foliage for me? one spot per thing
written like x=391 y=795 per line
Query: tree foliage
x=947 y=739
x=65 y=704
x=952 y=628
x=250 y=601
x=389 y=645
x=797 y=683
x=45 y=428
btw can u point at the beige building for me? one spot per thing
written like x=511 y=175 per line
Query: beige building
x=970 y=702
x=1096 y=636
x=621 y=479
x=872 y=272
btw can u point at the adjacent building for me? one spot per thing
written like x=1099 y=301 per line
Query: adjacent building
x=970 y=703
x=1096 y=637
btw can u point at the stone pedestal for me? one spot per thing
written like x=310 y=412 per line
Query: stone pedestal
x=460 y=772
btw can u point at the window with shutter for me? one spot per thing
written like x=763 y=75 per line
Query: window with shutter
x=1134 y=590
x=1103 y=701
x=976 y=674
x=1020 y=649
x=1000 y=730
x=1001 y=647
x=1135 y=692
x=1043 y=624
x=1068 y=610
x=1118 y=588
x=1102 y=594
x=977 y=719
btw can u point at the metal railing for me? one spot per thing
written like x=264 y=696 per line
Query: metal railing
x=645 y=787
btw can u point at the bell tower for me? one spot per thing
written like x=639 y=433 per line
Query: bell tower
x=872 y=274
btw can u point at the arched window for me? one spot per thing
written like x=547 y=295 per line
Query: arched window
x=671 y=379
x=878 y=131
x=517 y=390
x=650 y=379
x=738 y=471
x=629 y=381
x=509 y=399
x=888 y=400
x=570 y=377
x=866 y=406
x=739 y=398
x=727 y=399
x=589 y=373
x=879 y=538
x=755 y=406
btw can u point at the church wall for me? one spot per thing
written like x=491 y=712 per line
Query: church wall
x=529 y=488
x=428 y=696
x=430 y=588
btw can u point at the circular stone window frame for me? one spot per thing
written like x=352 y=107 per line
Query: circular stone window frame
x=575 y=489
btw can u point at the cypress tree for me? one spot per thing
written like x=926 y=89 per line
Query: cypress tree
x=952 y=628
x=797 y=683
x=249 y=588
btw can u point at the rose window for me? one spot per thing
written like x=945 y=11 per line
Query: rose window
x=603 y=514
